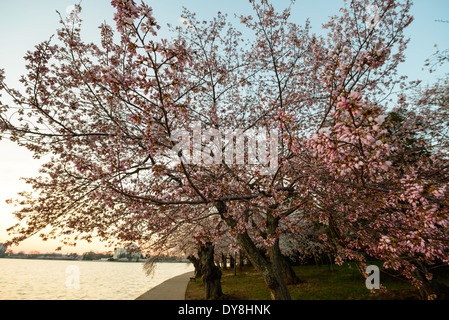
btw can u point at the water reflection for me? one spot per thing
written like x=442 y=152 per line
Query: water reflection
x=80 y=280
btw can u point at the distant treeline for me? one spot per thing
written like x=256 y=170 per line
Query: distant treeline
x=73 y=256
x=57 y=256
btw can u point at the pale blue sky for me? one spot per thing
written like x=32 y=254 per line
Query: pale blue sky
x=24 y=23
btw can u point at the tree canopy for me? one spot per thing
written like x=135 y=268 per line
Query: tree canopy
x=224 y=136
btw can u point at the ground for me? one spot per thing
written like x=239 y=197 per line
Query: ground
x=318 y=283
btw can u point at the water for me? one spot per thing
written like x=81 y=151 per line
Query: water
x=24 y=279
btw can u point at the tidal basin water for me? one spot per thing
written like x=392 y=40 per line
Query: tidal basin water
x=27 y=279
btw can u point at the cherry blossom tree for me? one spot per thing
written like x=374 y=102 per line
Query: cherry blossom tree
x=429 y=107
x=386 y=180
x=114 y=117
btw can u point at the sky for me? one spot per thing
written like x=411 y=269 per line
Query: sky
x=25 y=23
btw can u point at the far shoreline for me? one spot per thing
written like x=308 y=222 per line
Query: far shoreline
x=90 y=260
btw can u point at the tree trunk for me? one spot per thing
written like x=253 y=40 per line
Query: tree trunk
x=278 y=288
x=290 y=275
x=270 y=268
x=211 y=273
x=224 y=261
x=330 y=265
x=231 y=261
x=248 y=262
x=197 y=265
x=241 y=259
x=317 y=260
x=431 y=287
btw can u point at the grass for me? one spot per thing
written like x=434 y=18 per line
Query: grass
x=318 y=283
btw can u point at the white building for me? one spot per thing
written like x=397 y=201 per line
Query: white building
x=118 y=253
x=130 y=251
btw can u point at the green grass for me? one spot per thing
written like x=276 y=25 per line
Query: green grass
x=318 y=283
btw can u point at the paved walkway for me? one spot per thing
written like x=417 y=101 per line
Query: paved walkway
x=171 y=289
